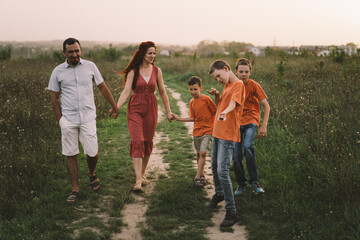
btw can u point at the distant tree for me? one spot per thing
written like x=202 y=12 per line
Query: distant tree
x=129 y=50
x=268 y=51
x=304 y=53
x=5 y=52
x=351 y=44
x=235 y=47
x=209 y=48
x=249 y=55
x=234 y=54
x=58 y=56
x=337 y=55
x=281 y=66
x=111 y=54
x=178 y=54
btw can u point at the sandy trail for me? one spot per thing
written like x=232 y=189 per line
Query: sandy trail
x=214 y=232
x=134 y=212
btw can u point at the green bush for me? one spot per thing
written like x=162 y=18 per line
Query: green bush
x=58 y=56
x=110 y=54
x=5 y=52
x=337 y=55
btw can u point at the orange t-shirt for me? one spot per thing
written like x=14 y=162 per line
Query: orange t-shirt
x=229 y=129
x=203 y=110
x=254 y=93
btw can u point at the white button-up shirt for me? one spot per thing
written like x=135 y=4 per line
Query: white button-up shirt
x=75 y=85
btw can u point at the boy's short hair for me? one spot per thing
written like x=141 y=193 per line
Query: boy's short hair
x=195 y=80
x=218 y=65
x=243 y=61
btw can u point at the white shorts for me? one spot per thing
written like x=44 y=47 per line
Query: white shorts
x=71 y=133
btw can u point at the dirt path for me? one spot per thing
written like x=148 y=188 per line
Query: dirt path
x=134 y=212
x=214 y=232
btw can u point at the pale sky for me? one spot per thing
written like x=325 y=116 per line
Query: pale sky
x=183 y=22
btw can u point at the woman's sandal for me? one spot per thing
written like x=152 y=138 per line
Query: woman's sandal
x=145 y=180
x=202 y=179
x=137 y=188
x=197 y=182
x=94 y=185
x=73 y=197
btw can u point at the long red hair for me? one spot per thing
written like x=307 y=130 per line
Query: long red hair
x=136 y=61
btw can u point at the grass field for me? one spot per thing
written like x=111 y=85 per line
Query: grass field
x=308 y=165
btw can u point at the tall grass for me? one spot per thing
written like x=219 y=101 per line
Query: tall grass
x=29 y=141
x=308 y=164
x=30 y=164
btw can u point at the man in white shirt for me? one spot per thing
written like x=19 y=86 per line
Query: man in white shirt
x=76 y=112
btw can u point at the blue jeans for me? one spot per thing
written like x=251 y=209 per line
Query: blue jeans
x=245 y=147
x=220 y=164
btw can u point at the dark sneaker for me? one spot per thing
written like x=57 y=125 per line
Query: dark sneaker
x=256 y=188
x=230 y=219
x=215 y=200
x=240 y=190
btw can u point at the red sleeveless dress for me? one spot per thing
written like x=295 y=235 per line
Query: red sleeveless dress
x=142 y=115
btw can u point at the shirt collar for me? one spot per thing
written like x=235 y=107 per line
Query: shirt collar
x=67 y=65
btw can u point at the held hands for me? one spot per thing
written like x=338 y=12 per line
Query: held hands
x=170 y=116
x=175 y=117
x=213 y=91
x=114 y=112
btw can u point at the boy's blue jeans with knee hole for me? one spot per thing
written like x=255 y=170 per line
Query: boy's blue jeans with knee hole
x=221 y=154
x=245 y=147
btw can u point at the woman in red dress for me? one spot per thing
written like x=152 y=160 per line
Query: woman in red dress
x=141 y=76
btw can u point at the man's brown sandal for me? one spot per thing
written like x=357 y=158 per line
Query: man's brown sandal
x=73 y=197
x=94 y=185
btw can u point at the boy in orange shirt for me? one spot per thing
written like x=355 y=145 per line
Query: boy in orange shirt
x=225 y=135
x=202 y=113
x=249 y=122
